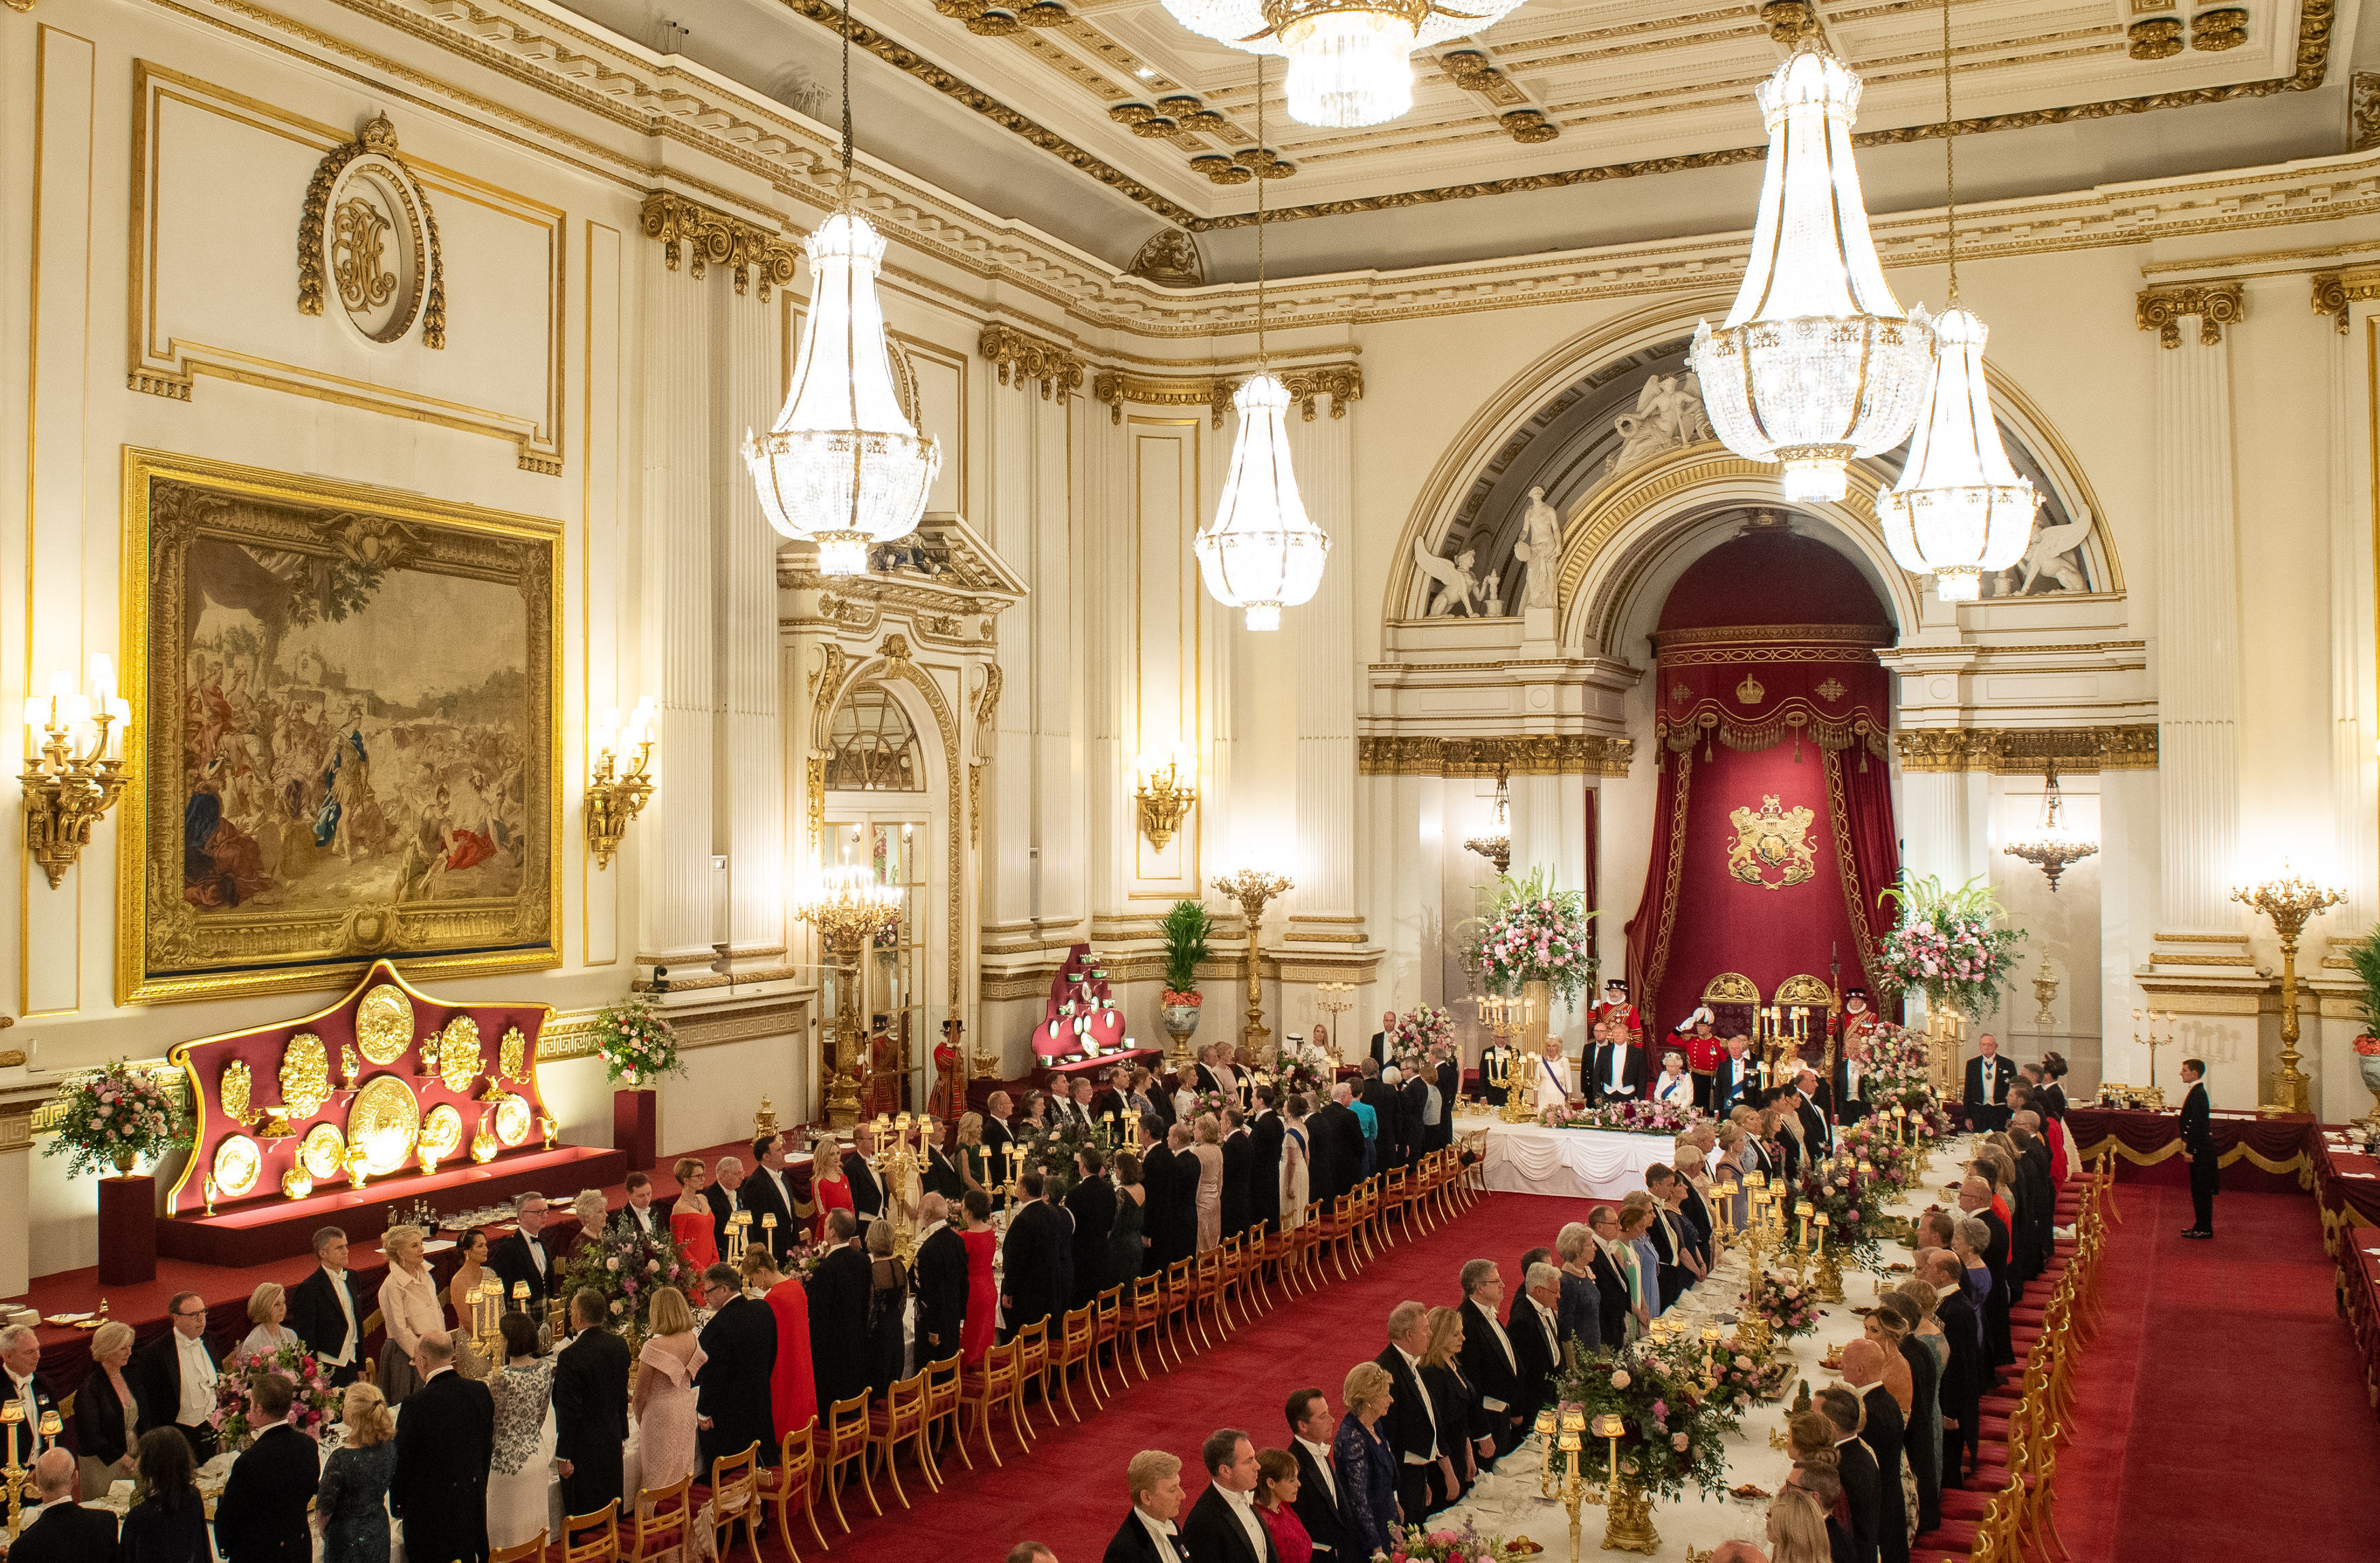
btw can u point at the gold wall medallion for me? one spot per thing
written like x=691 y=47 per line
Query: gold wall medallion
x=238 y=1161
x=234 y=1092
x=368 y=233
x=459 y=1053
x=511 y=1055
x=305 y=1077
x=442 y=1132
x=512 y=1119
x=323 y=1151
x=384 y=1023
x=1772 y=838
x=384 y=1123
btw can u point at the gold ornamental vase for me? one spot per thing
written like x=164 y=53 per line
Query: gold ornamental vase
x=1628 y=1522
x=1830 y=1278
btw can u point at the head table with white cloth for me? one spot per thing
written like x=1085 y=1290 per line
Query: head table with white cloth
x=1507 y=1503
x=1579 y=1163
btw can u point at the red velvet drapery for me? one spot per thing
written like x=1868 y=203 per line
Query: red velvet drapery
x=1859 y=794
x=1656 y=910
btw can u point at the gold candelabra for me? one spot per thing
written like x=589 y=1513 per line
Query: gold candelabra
x=1627 y=1522
x=1168 y=785
x=1334 y=999
x=2288 y=902
x=1252 y=887
x=617 y=790
x=848 y=908
x=899 y=1164
x=74 y=772
x=739 y=1237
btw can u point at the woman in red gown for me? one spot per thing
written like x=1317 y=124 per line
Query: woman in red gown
x=793 y=1392
x=690 y=1219
x=830 y=1189
x=983 y=1292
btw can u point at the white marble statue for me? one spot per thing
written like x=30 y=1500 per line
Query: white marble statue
x=1669 y=416
x=1540 y=547
x=2052 y=553
x=1457 y=587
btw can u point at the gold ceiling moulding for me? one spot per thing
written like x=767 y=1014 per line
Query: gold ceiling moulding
x=695 y=234
x=2013 y=751
x=1790 y=21
x=1031 y=357
x=1529 y=126
x=2363 y=111
x=2159 y=38
x=2217 y=304
x=2223 y=27
x=1341 y=383
x=1529 y=754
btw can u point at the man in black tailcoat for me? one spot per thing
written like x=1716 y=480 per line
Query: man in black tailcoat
x=1321 y=1501
x=1988 y=1079
x=1963 y=1372
x=1413 y=1426
x=446 y=1441
x=2198 y=1149
x=327 y=1309
x=1156 y=1195
x=1238 y=1160
x=590 y=1408
x=838 y=1293
x=523 y=1256
x=739 y=1348
x=1092 y=1203
x=1489 y=1360
x=1266 y=1135
x=1882 y=1429
x=1028 y=1260
x=940 y=1281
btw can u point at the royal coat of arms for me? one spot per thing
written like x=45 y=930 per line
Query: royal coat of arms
x=1774 y=837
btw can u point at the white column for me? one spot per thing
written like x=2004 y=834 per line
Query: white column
x=1944 y=815
x=1054 y=698
x=751 y=792
x=1325 y=869
x=2352 y=767
x=2198 y=636
x=1109 y=814
x=677 y=919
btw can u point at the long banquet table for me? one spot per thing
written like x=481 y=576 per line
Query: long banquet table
x=2264 y=1154
x=1582 y=1163
x=1506 y=1502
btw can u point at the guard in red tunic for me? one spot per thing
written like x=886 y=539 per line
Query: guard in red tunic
x=1859 y=1024
x=1697 y=1035
x=1616 y=1007
x=950 y=1090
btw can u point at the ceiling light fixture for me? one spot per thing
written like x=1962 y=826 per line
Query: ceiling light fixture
x=1261 y=552
x=1350 y=61
x=843 y=467
x=1960 y=509
x=1818 y=363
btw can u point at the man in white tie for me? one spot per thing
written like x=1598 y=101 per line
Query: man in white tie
x=1489 y=1360
x=175 y=1376
x=638 y=1216
x=1320 y=1506
x=1148 y=1533
x=1988 y=1078
x=21 y=1351
x=1223 y=1524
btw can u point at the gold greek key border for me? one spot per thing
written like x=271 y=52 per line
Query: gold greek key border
x=2010 y=751
x=1529 y=754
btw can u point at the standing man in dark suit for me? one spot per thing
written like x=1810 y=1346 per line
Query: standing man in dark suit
x=1092 y=1203
x=637 y=1218
x=867 y=1189
x=262 y=1516
x=1412 y=1424
x=1224 y=1526
x=1320 y=1508
x=997 y=1134
x=1818 y=1134
x=838 y=1293
x=523 y=1256
x=1028 y=1283
x=1882 y=1430
x=739 y=1349
x=444 y=1442
x=1610 y=1286
x=939 y=1279
x=174 y=1377
x=1988 y=1079
x=768 y=1192
x=1489 y=1360
x=1963 y=1375
x=1616 y=1066
x=590 y=1408
x=2198 y=1149
x=1535 y=1329
x=1266 y=1135
x=327 y=1309
x=1156 y=1203
x=1380 y=1040
x=726 y=1194
x=62 y=1531
x=1149 y=1533
x=1735 y=1076
x=1239 y=1162
x=1862 y=1484
x=942 y=1174
x=20 y=1349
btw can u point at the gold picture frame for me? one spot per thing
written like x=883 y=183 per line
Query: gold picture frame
x=419 y=853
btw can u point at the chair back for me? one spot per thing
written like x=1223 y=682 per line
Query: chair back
x=592 y=1538
x=797 y=1454
x=659 y=1523
x=904 y=1405
x=735 y=1481
x=846 y=1430
x=526 y=1552
x=1032 y=1344
x=942 y=1386
x=1078 y=1328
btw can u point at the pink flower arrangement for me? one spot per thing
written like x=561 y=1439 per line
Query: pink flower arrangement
x=118 y=1112
x=314 y=1408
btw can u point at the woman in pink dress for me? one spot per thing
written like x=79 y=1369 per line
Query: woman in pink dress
x=690 y=1219
x=1209 y=1151
x=664 y=1397
x=983 y=1290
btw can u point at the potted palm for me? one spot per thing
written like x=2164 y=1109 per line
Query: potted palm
x=2365 y=955
x=1185 y=928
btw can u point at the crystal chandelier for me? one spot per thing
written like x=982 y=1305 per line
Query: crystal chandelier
x=1260 y=552
x=1349 y=60
x=2055 y=849
x=843 y=467
x=1818 y=363
x=1960 y=509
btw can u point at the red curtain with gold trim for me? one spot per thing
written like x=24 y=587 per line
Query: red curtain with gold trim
x=1656 y=910
x=1867 y=846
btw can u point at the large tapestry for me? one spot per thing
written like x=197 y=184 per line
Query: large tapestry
x=344 y=743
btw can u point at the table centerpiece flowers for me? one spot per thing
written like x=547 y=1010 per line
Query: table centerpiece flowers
x=1675 y=1423
x=624 y=1266
x=1423 y=1544
x=1851 y=1200
x=1531 y=932
x=1790 y=1307
x=312 y=1410
x=1623 y=1116
x=115 y=1117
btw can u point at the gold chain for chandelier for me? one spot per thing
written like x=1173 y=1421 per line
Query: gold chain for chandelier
x=1949 y=159
x=844 y=196
x=1262 y=153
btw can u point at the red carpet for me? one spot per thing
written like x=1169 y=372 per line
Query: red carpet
x=2219 y=1410
x=1069 y=1492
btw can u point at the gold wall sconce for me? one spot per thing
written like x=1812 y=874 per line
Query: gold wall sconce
x=74 y=772
x=1168 y=785
x=617 y=790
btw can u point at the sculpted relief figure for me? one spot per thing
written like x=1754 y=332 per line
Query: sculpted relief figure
x=2052 y=553
x=1457 y=587
x=1539 y=548
x=1668 y=414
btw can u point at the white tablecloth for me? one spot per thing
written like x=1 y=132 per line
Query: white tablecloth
x=1506 y=1502
x=1582 y=1163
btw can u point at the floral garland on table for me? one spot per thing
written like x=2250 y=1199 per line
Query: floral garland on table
x=1790 y=1307
x=315 y=1407
x=108 y=1119
x=625 y=1267
x=1413 y=1543
x=1625 y=1115
x=636 y=1041
x=1675 y=1428
x=1947 y=945
x=1851 y=1201
x=1531 y=932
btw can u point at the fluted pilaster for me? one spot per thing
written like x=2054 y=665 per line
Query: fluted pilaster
x=751 y=787
x=1324 y=455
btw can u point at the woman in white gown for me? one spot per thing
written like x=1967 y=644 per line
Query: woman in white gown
x=1294 y=1161
x=1675 y=1088
x=1553 y=1077
x=521 y=1473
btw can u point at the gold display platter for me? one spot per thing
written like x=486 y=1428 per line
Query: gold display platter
x=459 y=1053
x=385 y=1119
x=512 y=1119
x=238 y=1161
x=323 y=1151
x=384 y=1023
x=305 y=1077
x=442 y=1132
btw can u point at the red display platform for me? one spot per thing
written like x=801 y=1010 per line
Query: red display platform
x=636 y=1119
x=261 y=1230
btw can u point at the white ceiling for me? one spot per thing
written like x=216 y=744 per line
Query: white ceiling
x=1022 y=124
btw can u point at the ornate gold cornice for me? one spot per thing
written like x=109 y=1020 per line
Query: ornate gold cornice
x=717 y=239
x=1525 y=754
x=2217 y=304
x=2011 y=751
x=1031 y=357
x=2334 y=291
x=1341 y=383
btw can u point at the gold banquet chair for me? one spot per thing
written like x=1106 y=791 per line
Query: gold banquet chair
x=592 y=1538
x=795 y=1481
x=735 y=1500
x=901 y=1418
